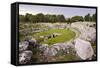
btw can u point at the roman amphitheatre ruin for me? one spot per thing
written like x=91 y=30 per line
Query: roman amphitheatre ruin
x=57 y=42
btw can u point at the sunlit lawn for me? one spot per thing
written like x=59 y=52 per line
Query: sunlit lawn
x=66 y=35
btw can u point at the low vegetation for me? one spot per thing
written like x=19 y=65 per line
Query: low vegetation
x=66 y=35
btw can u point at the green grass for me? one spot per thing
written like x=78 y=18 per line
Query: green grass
x=66 y=35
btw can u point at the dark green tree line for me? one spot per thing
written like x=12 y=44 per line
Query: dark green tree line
x=55 y=18
x=41 y=18
x=88 y=18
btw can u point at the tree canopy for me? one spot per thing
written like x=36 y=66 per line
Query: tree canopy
x=40 y=17
x=77 y=18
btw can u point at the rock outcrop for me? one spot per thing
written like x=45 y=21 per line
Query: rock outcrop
x=25 y=57
x=83 y=49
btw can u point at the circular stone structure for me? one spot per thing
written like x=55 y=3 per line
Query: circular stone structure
x=53 y=36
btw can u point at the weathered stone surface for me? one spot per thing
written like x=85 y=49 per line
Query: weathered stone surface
x=32 y=41
x=50 y=52
x=87 y=32
x=25 y=57
x=62 y=46
x=41 y=36
x=43 y=47
x=56 y=34
x=23 y=46
x=28 y=38
x=83 y=49
x=57 y=48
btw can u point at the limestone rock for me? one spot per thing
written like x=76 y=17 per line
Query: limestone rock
x=32 y=41
x=25 y=57
x=43 y=47
x=83 y=49
x=23 y=46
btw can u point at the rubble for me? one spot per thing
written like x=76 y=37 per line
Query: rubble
x=25 y=57
x=23 y=46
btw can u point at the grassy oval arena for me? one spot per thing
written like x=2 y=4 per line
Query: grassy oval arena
x=64 y=35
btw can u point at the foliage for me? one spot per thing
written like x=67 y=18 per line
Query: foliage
x=77 y=18
x=54 y=18
x=88 y=18
x=21 y=18
x=41 y=18
x=94 y=17
x=66 y=35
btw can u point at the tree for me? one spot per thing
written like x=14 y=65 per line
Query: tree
x=61 y=18
x=21 y=18
x=88 y=17
x=28 y=17
x=77 y=18
x=40 y=17
x=68 y=20
x=94 y=17
x=53 y=18
x=33 y=19
x=47 y=18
